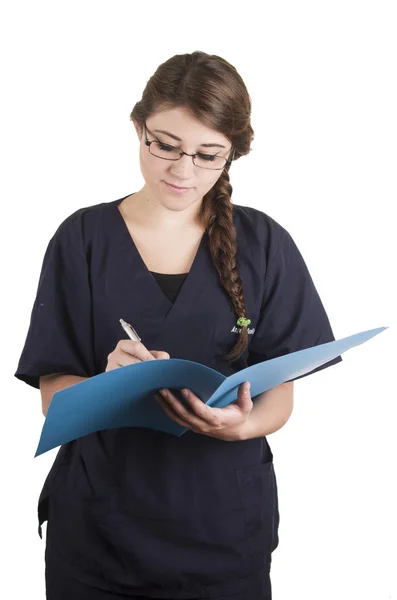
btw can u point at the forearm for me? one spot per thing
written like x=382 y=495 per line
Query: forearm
x=271 y=411
x=50 y=384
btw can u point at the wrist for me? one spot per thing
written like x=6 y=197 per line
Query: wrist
x=247 y=430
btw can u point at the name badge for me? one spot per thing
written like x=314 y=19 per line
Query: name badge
x=238 y=330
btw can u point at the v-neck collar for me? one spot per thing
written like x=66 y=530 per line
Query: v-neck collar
x=193 y=286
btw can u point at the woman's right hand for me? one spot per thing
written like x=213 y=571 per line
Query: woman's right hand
x=128 y=352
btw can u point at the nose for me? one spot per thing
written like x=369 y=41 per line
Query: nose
x=183 y=168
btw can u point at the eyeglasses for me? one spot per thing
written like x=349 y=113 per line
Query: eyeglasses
x=204 y=161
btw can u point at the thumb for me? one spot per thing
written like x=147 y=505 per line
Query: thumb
x=244 y=397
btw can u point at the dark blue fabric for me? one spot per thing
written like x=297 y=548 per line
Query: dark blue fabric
x=137 y=511
x=62 y=585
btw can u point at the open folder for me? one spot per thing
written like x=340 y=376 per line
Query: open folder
x=124 y=397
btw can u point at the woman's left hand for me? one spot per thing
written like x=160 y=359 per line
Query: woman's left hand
x=228 y=423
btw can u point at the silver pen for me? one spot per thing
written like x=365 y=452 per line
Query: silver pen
x=130 y=331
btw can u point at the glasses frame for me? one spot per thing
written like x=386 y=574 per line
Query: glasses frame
x=228 y=161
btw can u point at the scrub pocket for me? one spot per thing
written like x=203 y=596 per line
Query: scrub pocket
x=209 y=546
x=258 y=493
x=126 y=544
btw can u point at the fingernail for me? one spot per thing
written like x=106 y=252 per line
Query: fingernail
x=185 y=393
x=247 y=388
x=164 y=393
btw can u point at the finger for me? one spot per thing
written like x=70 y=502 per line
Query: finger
x=136 y=349
x=244 y=399
x=200 y=409
x=182 y=412
x=123 y=359
x=159 y=354
x=165 y=406
x=119 y=359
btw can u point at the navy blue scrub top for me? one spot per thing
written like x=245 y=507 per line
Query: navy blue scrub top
x=141 y=511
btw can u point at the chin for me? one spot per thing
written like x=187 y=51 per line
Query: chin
x=177 y=204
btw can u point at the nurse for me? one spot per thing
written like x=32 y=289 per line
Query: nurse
x=139 y=513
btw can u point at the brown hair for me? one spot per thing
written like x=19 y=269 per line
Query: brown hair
x=216 y=95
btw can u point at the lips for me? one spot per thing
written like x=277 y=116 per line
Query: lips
x=177 y=186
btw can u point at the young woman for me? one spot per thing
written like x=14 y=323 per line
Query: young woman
x=134 y=512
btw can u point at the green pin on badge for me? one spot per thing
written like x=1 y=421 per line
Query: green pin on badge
x=242 y=322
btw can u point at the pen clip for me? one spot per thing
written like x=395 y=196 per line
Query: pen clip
x=133 y=331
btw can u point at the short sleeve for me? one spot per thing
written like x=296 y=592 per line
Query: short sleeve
x=292 y=315
x=60 y=336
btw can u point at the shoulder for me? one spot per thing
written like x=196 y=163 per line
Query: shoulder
x=80 y=228
x=255 y=227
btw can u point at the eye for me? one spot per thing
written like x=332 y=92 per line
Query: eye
x=165 y=147
x=208 y=157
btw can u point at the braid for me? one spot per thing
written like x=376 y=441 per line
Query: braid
x=218 y=218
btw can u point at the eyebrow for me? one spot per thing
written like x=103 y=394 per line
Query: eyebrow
x=179 y=139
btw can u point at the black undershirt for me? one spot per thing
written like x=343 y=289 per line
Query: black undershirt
x=170 y=284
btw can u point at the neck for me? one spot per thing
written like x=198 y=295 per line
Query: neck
x=145 y=209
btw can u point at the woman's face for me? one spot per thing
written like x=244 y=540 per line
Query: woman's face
x=179 y=122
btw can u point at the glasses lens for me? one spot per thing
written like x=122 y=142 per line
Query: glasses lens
x=164 y=151
x=206 y=161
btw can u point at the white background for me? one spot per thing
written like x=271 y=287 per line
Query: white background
x=322 y=78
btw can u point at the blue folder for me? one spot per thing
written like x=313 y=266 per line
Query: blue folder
x=124 y=397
